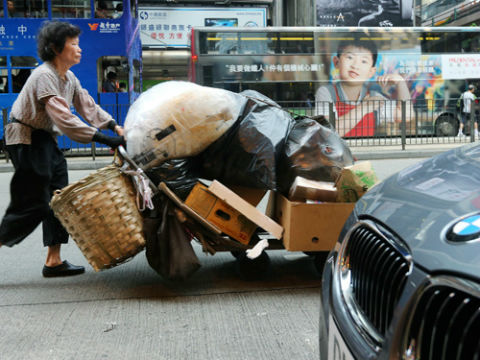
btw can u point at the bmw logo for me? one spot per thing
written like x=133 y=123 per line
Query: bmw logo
x=465 y=229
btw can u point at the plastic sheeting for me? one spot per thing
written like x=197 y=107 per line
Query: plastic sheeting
x=248 y=153
x=312 y=151
x=176 y=119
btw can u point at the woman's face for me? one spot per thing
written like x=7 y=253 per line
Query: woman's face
x=71 y=53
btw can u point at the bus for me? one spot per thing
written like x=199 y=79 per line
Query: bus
x=110 y=42
x=427 y=70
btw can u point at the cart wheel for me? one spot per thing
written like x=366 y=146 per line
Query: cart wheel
x=319 y=260
x=236 y=253
x=251 y=269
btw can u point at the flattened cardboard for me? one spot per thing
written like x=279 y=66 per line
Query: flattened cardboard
x=304 y=189
x=249 y=211
x=310 y=227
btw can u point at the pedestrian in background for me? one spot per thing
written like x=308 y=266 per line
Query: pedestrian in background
x=468 y=97
x=40 y=113
x=110 y=84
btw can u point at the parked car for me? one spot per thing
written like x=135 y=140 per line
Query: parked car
x=403 y=280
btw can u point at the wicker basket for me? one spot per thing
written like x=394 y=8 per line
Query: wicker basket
x=101 y=215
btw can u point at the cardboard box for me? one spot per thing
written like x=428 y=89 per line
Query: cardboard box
x=310 y=227
x=303 y=189
x=229 y=212
x=251 y=195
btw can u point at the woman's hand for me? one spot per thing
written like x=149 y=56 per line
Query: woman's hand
x=118 y=130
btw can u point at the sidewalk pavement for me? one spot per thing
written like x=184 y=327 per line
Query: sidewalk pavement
x=360 y=152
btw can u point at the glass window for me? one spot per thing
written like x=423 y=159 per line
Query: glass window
x=256 y=43
x=112 y=74
x=104 y=9
x=71 y=9
x=28 y=8
x=3 y=80
x=117 y=9
x=22 y=67
x=19 y=78
x=3 y=61
x=10 y=8
x=24 y=61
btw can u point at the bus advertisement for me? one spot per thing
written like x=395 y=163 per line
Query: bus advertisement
x=366 y=81
x=110 y=43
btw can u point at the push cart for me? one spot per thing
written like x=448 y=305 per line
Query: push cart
x=214 y=240
x=101 y=214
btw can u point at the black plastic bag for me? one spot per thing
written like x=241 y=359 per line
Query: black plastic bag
x=312 y=151
x=180 y=175
x=168 y=245
x=248 y=153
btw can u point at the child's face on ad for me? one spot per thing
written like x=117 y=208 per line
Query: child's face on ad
x=355 y=65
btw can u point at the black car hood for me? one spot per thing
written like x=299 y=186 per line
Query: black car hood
x=422 y=202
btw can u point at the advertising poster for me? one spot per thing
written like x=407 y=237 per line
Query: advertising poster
x=388 y=13
x=170 y=27
x=366 y=80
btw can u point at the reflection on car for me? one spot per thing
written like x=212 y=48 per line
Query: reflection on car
x=403 y=281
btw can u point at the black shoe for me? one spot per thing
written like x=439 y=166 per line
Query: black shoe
x=64 y=269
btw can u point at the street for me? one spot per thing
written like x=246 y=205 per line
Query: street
x=130 y=312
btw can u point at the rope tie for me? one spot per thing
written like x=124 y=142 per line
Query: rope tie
x=143 y=188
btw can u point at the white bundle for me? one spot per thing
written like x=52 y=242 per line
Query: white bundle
x=176 y=119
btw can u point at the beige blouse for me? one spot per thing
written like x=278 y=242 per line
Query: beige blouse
x=45 y=102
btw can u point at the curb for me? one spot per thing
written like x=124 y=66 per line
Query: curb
x=88 y=164
x=401 y=154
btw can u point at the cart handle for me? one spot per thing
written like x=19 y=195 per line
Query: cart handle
x=124 y=155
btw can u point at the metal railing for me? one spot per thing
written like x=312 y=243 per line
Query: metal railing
x=367 y=124
x=392 y=123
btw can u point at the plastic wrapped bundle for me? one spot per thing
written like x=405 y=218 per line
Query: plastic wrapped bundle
x=177 y=119
x=312 y=151
x=248 y=154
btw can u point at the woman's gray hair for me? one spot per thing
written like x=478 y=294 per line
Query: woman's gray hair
x=52 y=36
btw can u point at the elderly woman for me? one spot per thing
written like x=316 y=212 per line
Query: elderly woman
x=39 y=114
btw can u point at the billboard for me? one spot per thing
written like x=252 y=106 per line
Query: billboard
x=162 y=27
x=334 y=13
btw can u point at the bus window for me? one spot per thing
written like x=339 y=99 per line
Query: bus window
x=71 y=9
x=22 y=67
x=29 y=9
x=19 y=78
x=112 y=70
x=117 y=9
x=103 y=9
x=3 y=80
x=24 y=61
x=10 y=9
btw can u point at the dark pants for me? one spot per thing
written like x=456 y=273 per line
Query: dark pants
x=40 y=168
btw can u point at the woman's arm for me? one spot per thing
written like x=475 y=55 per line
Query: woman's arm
x=58 y=110
x=92 y=113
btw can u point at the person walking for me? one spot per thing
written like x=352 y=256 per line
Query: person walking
x=40 y=113
x=468 y=97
